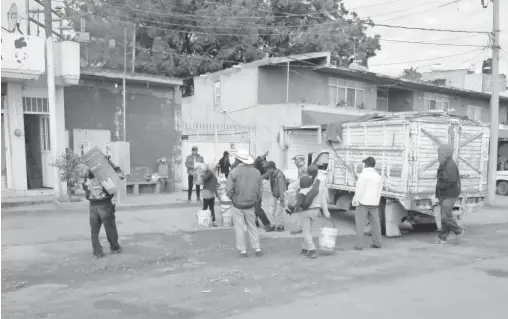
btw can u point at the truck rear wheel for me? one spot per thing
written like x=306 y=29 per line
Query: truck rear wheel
x=502 y=188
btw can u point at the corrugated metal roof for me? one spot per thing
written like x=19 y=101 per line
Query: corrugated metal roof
x=324 y=118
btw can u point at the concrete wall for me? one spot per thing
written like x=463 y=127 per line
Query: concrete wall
x=454 y=78
x=151 y=117
x=238 y=91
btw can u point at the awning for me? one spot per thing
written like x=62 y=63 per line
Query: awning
x=324 y=118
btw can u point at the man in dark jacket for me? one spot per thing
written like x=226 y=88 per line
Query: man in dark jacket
x=278 y=187
x=102 y=212
x=448 y=189
x=260 y=213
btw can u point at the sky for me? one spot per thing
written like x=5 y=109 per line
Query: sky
x=462 y=15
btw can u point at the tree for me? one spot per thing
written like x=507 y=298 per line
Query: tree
x=71 y=170
x=185 y=38
x=411 y=74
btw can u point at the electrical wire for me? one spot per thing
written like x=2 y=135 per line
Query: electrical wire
x=430 y=59
x=182 y=16
x=405 y=9
x=422 y=11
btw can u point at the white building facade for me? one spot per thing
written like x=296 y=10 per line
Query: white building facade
x=27 y=147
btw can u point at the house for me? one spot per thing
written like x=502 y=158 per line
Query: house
x=94 y=113
x=463 y=79
x=307 y=90
x=33 y=132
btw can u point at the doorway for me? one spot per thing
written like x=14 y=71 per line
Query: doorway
x=4 y=157
x=38 y=151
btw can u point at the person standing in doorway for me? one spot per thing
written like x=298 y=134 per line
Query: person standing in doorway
x=224 y=164
x=366 y=200
x=244 y=188
x=191 y=162
x=302 y=170
x=448 y=189
x=102 y=212
x=278 y=188
x=210 y=184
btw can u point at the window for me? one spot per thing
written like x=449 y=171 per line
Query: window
x=382 y=100
x=346 y=93
x=474 y=112
x=322 y=161
x=216 y=94
x=35 y=105
x=436 y=102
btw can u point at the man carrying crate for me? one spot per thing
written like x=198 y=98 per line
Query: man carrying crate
x=102 y=212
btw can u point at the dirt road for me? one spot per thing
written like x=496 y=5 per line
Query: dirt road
x=199 y=275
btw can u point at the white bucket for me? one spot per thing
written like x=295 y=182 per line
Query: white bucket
x=227 y=215
x=204 y=218
x=327 y=239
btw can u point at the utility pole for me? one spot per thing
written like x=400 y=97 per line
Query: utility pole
x=50 y=72
x=494 y=108
x=133 y=48
x=124 y=84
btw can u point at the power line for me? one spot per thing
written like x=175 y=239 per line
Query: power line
x=432 y=43
x=405 y=9
x=182 y=16
x=424 y=60
x=422 y=11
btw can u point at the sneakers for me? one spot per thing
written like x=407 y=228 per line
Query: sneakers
x=312 y=254
x=305 y=252
x=116 y=251
x=269 y=228
x=259 y=253
x=243 y=254
x=280 y=228
x=214 y=224
x=99 y=255
x=358 y=247
x=375 y=246
x=438 y=241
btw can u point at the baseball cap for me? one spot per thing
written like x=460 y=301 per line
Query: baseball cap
x=194 y=148
x=370 y=161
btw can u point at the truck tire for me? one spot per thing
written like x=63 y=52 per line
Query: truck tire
x=502 y=188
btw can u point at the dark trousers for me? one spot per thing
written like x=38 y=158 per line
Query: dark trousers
x=164 y=181
x=209 y=203
x=103 y=214
x=190 y=179
x=448 y=221
x=260 y=213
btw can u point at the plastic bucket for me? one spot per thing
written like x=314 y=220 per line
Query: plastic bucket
x=327 y=238
x=227 y=215
x=204 y=218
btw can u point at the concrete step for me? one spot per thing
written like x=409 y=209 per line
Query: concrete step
x=26 y=201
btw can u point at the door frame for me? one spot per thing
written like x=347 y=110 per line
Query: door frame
x=45 y=140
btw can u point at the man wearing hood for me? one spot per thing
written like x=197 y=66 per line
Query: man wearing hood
x=278 y=187
x=448 y=189
x=260 y=213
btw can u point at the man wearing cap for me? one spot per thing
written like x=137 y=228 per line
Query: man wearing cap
x=244 y=188
x=302 y=170
x=191 y=162
x=367 y=197
x=448 y=189
x=278 y=187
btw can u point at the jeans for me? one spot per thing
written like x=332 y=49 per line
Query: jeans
x=448 y=221
x=308 y=219
x=361 y=214
x=209 y=203
x=277 y=212
x=245 y=218
x=103 y=214
x=164 y=181
x=260 y=213
x=190 y=179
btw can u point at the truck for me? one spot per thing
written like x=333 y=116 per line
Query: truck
x=405 y=148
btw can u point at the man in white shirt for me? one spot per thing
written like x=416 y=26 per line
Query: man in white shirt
x=366 y=200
